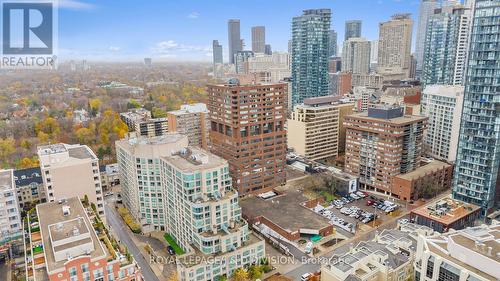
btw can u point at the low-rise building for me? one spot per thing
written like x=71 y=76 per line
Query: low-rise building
x=315 y=128
x=67 y=247
x=471 y=254
x=110 y=175
x=446 y=214
x=140 y=122
x=29 y=187
x=431 y=178
x=389 y=256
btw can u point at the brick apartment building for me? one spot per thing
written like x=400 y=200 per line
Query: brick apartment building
x=381 y=144
x=247 y=129
x=435 y=174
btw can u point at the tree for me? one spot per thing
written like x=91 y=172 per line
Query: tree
x=49 y=126
x=95 y=105
x=26 y=144
x=158 y=112
x=7 y=148
x=241 y=274
x=28 y=163
x=255 y=272
x=133 y=104
x=173 y=277
x=85 y=135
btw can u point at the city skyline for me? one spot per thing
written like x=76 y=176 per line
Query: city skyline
x=87 y=29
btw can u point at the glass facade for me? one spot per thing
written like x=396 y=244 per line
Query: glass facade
x=478 y=157
x=310 y=49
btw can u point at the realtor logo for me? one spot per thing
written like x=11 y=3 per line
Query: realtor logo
x=28 y=34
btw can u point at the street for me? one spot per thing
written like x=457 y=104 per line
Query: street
x=4 y=270
x=122 y=232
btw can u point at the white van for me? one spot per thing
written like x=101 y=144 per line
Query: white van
x=305 y=277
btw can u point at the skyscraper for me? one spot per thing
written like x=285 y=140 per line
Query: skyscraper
x=352 y=29
x=356 y=55
x=240 y=61
x=310 y=46
x=268 y=50
x=234 y=39
x=394 y=47
x=255 y=149
x=373 y=54
x=443 y=105
x=446 y=46
x=333 y=44
x=476 y=177
x=258 y=39
x=426 y=9
x=217 y=52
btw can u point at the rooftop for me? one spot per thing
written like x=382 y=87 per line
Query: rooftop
x=191 y=159
x=76 y=151
x=190 y=108
x=424 y=170
x=397 y=121
x=476 y=249
x=446 y=211
x=195 y=256
x=24 y=177
x=285 y=211
x=170 y=137
x=57 y=230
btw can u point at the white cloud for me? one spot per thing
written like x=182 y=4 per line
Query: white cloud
x=114 y=49
x=74 y=5
x=170 y=46
x=194 y=15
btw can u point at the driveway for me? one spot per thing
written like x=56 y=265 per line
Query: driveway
x=122 y=232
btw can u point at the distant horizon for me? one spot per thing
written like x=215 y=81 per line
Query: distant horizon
x=183 y=31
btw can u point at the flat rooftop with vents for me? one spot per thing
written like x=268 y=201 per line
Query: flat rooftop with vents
x=67 y=233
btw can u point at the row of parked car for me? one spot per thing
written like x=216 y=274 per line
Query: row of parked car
x=334 y=220
x=383 y=205
x=340 y=203
x=358 y=213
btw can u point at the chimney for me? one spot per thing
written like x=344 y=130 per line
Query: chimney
x=489 y=251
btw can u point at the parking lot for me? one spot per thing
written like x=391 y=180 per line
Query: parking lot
x=353 y=214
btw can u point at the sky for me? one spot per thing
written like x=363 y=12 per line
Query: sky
x=183 y=30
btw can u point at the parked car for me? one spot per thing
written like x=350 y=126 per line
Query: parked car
x=370 y=202
x=170 y=250
x=360 y=194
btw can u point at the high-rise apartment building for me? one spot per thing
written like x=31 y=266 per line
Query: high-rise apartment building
x=71 y=249
x=10 y=217
x=316 y=129
x=381 y=144
x=268 y=50
x=70 y=170
x=443 y=106
x=373 y=55
x=394 y=47
x=233 y=38
x=356 y=56
x=191 y=120
x=477 y=178
x=446 y=46
x=140 y=176
x=186 y=192
x=310 y=46
x=426 y=10
x=333 y=44
x=270 y=68
x=258 y=39
x=205 y=218
x=468 y=254
x=216 y=52
x=248 y=130
x=241 y=61
x=352 y=29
